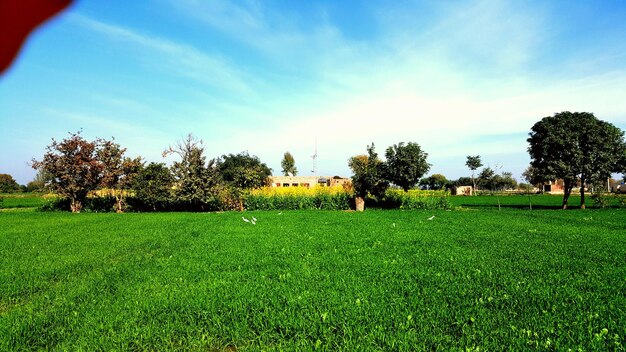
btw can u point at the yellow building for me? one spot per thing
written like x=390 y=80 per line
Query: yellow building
x=308 y=181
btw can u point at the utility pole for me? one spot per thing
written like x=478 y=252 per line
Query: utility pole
x=314 y=157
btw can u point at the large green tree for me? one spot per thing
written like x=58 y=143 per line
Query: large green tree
x=8 y=184
x=195 y=179
x=485 y=178
x=153 y=186
x=241 y=173
x=289 y=165
x=406 y=164
x=576 y=146
x=73 y=168
x=473 y=162
x=368 y=175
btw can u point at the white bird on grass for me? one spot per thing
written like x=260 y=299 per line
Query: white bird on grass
x=244 y=219
x=253 y=219
x=432 y=217
x=253 y=222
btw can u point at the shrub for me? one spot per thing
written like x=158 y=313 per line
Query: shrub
x=600 y=198
x=94 y=204
x=294 y=198
x=415 y=199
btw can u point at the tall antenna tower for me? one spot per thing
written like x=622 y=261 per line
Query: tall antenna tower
x=314 y=157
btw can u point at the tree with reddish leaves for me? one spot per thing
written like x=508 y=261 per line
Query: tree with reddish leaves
x=73 y=167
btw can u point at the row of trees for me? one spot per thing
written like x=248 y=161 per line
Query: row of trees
x=488 y=178
x=74 y=167
x=9 y=185
x=575 y=147
x=404 y=167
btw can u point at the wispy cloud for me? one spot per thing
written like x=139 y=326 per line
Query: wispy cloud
x=181 y=59
x=292 y=39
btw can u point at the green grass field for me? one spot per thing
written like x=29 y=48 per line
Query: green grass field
x=21 y=200
x=304 y=280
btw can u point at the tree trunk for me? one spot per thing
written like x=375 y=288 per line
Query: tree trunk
x=473 y=184
x=582 y=192
x=119 y=207
x=567 y=190
x=76 y=206
x=360 y=203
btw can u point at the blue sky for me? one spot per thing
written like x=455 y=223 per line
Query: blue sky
x=457 y=77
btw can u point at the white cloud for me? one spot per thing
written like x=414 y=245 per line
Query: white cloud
x=182 y=59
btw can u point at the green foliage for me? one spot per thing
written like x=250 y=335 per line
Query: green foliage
x=462 y=181
x=412 y=200
x=405 y=164
x=576 y=146
x=369 y=174
x=8 y=184
x=320 y=200
x=533 y=177
x=489 y=180
x=519 y=200
x=599 y=196
x=289 y=165
x=434 y=182
x=153 y=188
x=39 y=183
x=341 y=281
x=473 y=163
x=104 y=204
x=243 y=171
x=118 y=171
x=622 y=200
x=600 y=200
x=195 y=180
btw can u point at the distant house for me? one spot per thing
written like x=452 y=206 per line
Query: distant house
x=617 y=186
x=554 y=187
x=462 y=191
x=308 y=181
